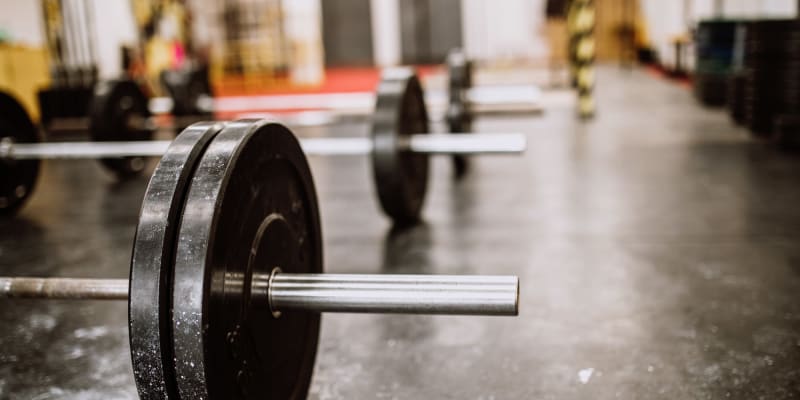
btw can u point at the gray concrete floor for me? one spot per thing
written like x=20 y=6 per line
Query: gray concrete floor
x=657 y=249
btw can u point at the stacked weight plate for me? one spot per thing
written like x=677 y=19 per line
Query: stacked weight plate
x=714 y=47
x=787 y=131
x=771 y=73
x=735 y=97
x=736 y=79
x=786 y=123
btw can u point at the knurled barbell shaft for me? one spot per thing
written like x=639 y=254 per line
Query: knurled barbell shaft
x=353 y=293
x=64 y=288
x=74 y=150
x=472 y=143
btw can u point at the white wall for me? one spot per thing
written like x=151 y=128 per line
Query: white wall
x=23 y=21
x=385 y=21
x=700 y=9
x=114 y=27
x=508 y=29
x=667 y=19
x=766 y=8
x=303 y=28
x=664 y=20
x=491 y=30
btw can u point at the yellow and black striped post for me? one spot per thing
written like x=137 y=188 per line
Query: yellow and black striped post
x=580 y=23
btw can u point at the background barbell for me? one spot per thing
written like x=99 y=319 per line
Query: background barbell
x=399 y=146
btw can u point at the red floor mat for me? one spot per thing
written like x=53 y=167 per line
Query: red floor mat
x=337 y=80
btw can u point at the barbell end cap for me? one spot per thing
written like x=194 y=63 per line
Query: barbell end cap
x=516 y=299
x=6 y=148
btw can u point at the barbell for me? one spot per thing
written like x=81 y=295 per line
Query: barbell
x=226 y=280
x=399 y=147
x=191 y=99
x=334 y=106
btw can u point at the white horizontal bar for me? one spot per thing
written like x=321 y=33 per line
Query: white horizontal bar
x=494 y=97
x=297 y=119
x=468 y=143
x=336 y=146
x=71 y=150
x=504 y=95
x=361 y=101
x=447 y=143
x=434 y=143
x=332 y=107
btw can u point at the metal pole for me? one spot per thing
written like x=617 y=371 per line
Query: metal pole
x=468 y=143
x=352 y=293
x=515 y=97
x=337 y=146
x=27 y=151
x=404 y=294
x=64 y=288
x=450 y=143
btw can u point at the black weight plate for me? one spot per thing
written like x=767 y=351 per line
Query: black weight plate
x=149 y=303
x=186 y=86
x=459 y=115
x=118 y=112
x=735 y=98
x=401 y=177
x=251 y=207
x=17 y=177
x=787 y=131
x=710 y=89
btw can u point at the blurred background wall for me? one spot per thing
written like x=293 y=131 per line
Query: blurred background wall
x=21 y=22
x=294 y=41
x=666 y=20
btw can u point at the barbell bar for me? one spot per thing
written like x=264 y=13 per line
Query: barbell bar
x=494 y=143
x=335 y=106
x=226 y=282
x=483 y=100
x=349 y=293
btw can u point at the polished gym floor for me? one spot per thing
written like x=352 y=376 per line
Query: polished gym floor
x=658 y=250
